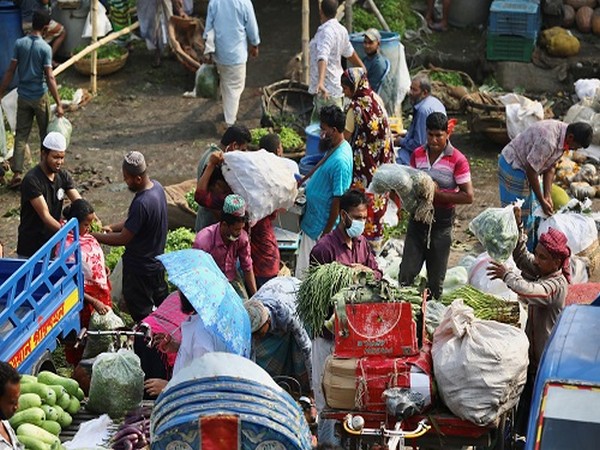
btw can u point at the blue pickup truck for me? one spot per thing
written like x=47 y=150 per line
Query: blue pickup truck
x=565 y=410
x=40 y=300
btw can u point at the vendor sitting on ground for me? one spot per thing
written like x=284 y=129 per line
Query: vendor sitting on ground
x=280 y=343
x=227 y=241
x=195 y=342
x=430 y=244
x=542 y=286
x=346 y=243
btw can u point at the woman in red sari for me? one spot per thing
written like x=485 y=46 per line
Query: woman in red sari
x=95 y=274
x=368 y=132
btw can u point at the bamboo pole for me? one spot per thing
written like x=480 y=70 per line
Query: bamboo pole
x=305 y=39
x=94 y=61
x=348 y=15
x=378 y=15
x=90 y=48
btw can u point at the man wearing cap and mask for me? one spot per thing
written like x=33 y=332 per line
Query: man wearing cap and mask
x=375 y=63
x=43 y=191
x=227 y=241
x=280 y=343
x=144 y=234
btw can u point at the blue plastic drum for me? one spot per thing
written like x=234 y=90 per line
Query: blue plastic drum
x=313 y=136
x=10 y=31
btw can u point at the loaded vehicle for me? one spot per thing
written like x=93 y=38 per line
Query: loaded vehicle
x=564 y=408
x=40 y=300
x=379 y=384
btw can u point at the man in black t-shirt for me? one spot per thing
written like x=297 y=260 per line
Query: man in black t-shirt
x=42 y=194
x=144 y=234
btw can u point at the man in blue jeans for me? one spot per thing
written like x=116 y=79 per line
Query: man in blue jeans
x=32 y=58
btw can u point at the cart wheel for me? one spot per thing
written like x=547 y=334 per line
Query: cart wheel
x=504 y=437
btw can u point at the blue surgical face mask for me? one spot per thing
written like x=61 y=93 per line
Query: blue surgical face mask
x=356 y=228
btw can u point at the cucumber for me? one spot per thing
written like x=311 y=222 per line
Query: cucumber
x=58 y=390
x=46 y=394
x=32 y=415
x=51 y=426
x=64 y=401
x=28 y=379
x=51 y=412
x=32 y=443
x=38 y=433
x=51 y=378
x=74 y=406
x=80 y=394
x=30 y=400
x=65 y=419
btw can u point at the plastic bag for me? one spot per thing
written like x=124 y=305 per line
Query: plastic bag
x=479 y=278
x=103 y=25
x=100 y=344
x=521 y=112
x=586 y=87
x=403 y=402
x=117 y=384
x=207 y=81
x=9 y=106
x=480 y=365
x=580 y=229
x=415 y=188
x=497 y=230
x=263 y=179
x=586 y=114
x=433 y=315
x=62 y=126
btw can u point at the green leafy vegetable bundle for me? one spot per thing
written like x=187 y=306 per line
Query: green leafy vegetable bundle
x=179 y=239
x=191 y=201
x=108 y=51
x=485 y=306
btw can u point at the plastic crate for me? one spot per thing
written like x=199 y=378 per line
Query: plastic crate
x=509 y=48
x=516 y=18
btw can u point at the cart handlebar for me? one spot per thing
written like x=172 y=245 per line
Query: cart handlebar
x=354 y=425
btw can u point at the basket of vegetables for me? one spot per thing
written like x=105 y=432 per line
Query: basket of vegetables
x=291 y=141
x=111 y=58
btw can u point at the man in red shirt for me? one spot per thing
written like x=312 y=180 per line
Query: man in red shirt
x=450 y=170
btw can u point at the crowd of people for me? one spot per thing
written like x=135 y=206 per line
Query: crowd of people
x=342 y=222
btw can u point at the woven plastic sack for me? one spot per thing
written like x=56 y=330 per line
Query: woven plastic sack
x=100 y=344
x=63 y=126
x=117 y=384
x=414 y=187
x=480 y=366
x=207 y=81
x=263 y=179
x=580 y=229
x=497 y=230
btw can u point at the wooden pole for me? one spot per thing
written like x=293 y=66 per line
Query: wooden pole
x=377 y=13
x=348 y=15
x=305 y=38
x=94 y=61
x=90 y=48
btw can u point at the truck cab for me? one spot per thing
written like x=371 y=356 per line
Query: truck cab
x=565 y=408
x=40 y=300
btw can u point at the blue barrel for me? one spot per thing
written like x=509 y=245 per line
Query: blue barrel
x=397 y=82
x=308 y=162
x=10 y=31
x=313 y=136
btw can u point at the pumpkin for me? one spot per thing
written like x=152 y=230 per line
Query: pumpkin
x=596 y=22
x=568 y=16
x=576 y=4
x=583 y=18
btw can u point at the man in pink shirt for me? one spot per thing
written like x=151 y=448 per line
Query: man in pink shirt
x=227 y=241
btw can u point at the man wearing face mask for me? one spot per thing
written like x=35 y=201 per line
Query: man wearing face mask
x=346 y=243
x=227 y=241
x=10 y=388
x=236 y=137
x=326 y=185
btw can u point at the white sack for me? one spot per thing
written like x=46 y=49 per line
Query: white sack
x=9 y=106
x=103 y=25
x=480 y=365
x=586 y=114
x=586 y=87
x=580 y=229
x=521 y=112
x=263 y=179
x=478 y=277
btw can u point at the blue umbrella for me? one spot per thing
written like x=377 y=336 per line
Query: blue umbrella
x=220 y=308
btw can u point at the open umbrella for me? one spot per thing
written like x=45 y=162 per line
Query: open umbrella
x=219 y=307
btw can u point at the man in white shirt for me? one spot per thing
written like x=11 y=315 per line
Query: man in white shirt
x=330 y=43
x=10 y=389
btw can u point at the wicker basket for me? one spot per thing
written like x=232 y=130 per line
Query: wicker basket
x=105 y=66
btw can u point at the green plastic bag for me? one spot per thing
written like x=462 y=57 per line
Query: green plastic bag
x=63 y=126
x=207 y=81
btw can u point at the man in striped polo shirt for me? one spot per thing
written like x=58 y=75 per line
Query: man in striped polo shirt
x=450 y=171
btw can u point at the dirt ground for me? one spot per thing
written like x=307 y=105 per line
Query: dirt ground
x=141 y=108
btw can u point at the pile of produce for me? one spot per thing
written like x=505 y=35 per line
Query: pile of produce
x=497 y=230
x=485 y=306
x=108 y=51
x=290 y=140
x=315 y=296
x=135 y=430
x=191 y=201
x=582 y=14
x=46 y=405
x=580 y=178
x=414 y=187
